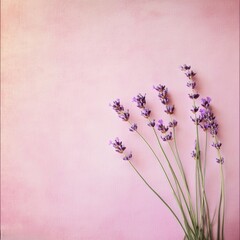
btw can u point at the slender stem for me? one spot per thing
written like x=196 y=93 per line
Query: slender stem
x=175 y=159
x=196 y=189
x=159 y=197
x=205 y=155
x=179 y=162
x=184 y=180
x=223 y=203
x=222 y=195
x=203 y=198
x=174 y=175
x=175 y=195
x=219 y=216
x=199 y=167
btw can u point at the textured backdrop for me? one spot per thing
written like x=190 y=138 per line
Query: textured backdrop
x=63 y=62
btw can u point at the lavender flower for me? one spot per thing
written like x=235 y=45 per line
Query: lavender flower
x=206 y=102
x=197 y=120
x=217 y=145
x=220 y=160
x=214 y=128
x=146 y=113
x=209 y=120
x=194 y=154
x=207 y=114
x=127 y=157
x=193 y=95
x=119 y=109
x=117 y=106
x=160 y=88
x=173 y=123
x=151 y=123
x=190 y=74
x=133 y=127
x=194 y=109
x=191 y=84
x=167 y=137
x=161 y=127
x=163 y=96
x=185 y=67
x=204 y=126
x=124 y=115
x=169 y=109
x=117 y=144
x=140 y=100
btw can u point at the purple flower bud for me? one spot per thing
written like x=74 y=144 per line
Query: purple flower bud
x=167 y=137
x=133 y=127
x=163 y=96
x=194 y=154
x=160 y=88
x=194 y=109
x=117 y=106
x=146 y=113
x=217 y=145
x=124 y=115
x=213 y=128
x=169 y=109
x=206 y=102
x=220 y=160
x=117 y=144
x=204 y=126
x=193 y=95
x=151 y=123
x=185 y=67
x=191 y=84
x=197 y=120
x=208 y=119
x=161 y=127
x=190 y=74
x=127 y=157
x=140 y=100
x=164 y=101
x=173 y=123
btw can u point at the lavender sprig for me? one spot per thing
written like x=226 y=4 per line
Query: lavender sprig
x=120 y=148
x=140 y=100
x=119 y=109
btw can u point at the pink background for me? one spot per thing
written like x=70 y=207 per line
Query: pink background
x=63 y=62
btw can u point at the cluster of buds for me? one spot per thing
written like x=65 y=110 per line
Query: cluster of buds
x=206 y=118
x=203 y=116
x=145 y=112
x=164 y=130
x=169 y=109
x=119 y=109
x=163 y=96
x=120 y=148
x=191 y=83
x=141 y=103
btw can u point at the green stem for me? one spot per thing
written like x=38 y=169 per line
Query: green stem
x=159 y=198
x=205 y=155
x=175 y=177
x=184 y=179
x=203 y=197
x=222 y=195
x=223 y=203
x=175 y=195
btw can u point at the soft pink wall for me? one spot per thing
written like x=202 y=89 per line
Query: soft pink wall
x=63 y=62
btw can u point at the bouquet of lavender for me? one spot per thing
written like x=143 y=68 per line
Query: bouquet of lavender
x=195 y=219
